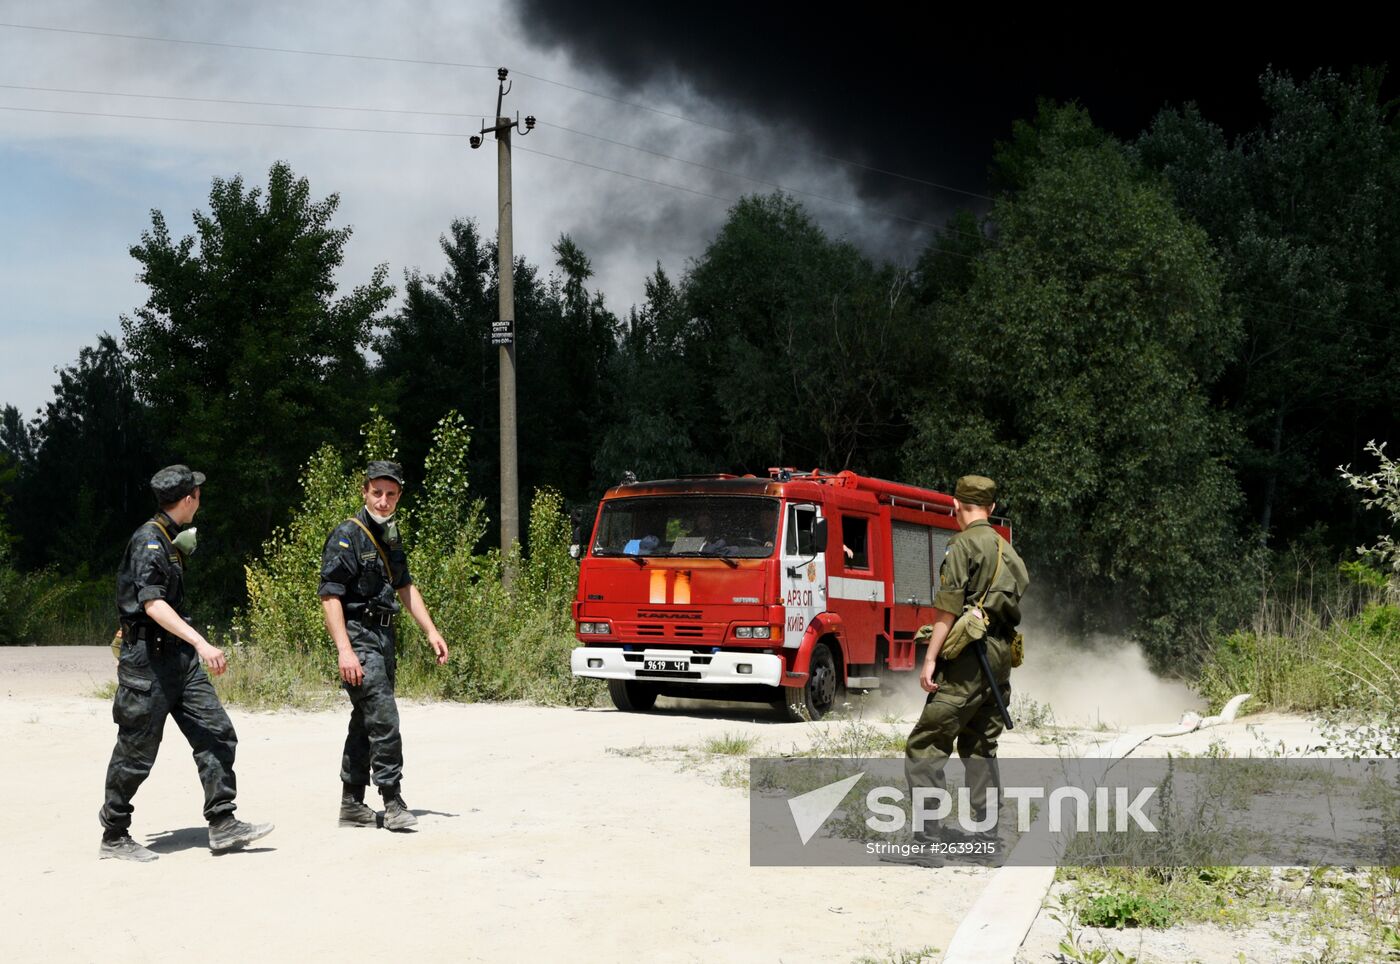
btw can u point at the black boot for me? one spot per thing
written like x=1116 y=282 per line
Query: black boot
x=397 y=816
x=353 y=810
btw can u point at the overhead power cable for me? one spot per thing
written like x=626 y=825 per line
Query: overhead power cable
x=233 y=123
x=943 y=230
x=233 y=46
x=635 y=105
x=236 y=103
x=700 y=165
x=449 y=134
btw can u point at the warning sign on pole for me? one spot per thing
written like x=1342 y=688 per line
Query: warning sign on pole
x=503 y=332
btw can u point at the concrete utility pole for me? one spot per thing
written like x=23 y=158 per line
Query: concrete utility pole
x=503 y=331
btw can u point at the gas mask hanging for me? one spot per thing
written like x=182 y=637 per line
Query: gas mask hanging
x=186 y=540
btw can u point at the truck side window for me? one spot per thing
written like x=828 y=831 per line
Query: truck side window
x=799 y=530
x=853 y=542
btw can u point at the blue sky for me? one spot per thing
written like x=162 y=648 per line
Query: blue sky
x=76 y=191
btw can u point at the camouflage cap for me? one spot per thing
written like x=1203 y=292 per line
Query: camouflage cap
x=174 y=482
x=381 y=469
x=975 y=490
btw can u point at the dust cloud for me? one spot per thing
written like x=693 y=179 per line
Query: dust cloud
x=1095 y=681
x=1099 y=681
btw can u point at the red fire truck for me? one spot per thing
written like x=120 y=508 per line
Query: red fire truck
x=783 y=590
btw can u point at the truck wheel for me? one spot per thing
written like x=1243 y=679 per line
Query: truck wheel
x=631 y=695
x=814 y=699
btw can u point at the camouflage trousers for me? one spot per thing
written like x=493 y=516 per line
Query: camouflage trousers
x=373 y=746
x=153 y=682
x=961 y=715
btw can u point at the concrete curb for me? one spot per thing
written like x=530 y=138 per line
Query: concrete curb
x=1002 y=916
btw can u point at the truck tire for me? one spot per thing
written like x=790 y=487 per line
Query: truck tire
x=815 y=698
x=632 y=696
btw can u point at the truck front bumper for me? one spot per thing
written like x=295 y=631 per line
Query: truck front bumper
x=605 y=662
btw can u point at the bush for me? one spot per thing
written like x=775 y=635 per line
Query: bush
x=504 y=644
x=1319 y=667
x=514 y=644
x=1381 y=490
x=1125 y=909
x=284 y=612
x=1329 y=640
x=46 y=608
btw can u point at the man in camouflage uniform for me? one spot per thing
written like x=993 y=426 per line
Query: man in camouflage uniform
x=960 y=711
x=159 y=674
x=364 y=582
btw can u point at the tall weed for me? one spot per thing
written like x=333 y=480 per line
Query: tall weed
x=47 y=608
x=505 y=644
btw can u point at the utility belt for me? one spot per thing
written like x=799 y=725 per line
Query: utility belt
x=158 y=641
x=367 y=616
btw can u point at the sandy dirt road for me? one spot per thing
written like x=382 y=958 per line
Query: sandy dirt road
x=534 y=842
x=544 y=834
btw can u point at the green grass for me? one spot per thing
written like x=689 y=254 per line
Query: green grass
x=1031 y=714
x=917 y=956
x=730 y=744
x=1310 y=656
x=855 y=739
x=1353 y=914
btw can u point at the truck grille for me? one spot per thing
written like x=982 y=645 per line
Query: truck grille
x=687 y=632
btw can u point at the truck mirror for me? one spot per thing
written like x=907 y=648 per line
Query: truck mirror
x=819 y=536
x=575 y=552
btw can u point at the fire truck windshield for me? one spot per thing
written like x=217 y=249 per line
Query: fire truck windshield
x=688 y=525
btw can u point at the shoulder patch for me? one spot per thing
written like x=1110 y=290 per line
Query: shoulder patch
x=343 y=544
x=153 y=545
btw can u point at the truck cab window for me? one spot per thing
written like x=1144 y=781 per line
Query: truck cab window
x=854 y=532
x=687 y=525
x=799 y=530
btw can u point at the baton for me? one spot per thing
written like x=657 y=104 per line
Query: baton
x=981 y=647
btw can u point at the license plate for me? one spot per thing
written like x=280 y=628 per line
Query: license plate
x=667 y=665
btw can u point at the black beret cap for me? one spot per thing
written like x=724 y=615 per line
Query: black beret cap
x=174 y=482
x=380 y=469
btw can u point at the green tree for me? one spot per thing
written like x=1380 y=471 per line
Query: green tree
x=82 y=467
x=783 y=347
x=1305 y=211
x=564 y=346
x=1076 y=370
x=246 y=357
x=435 y=352
x=656 y=395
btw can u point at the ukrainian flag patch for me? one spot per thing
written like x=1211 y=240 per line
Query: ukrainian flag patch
x=153 y=545
x=343 y=543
